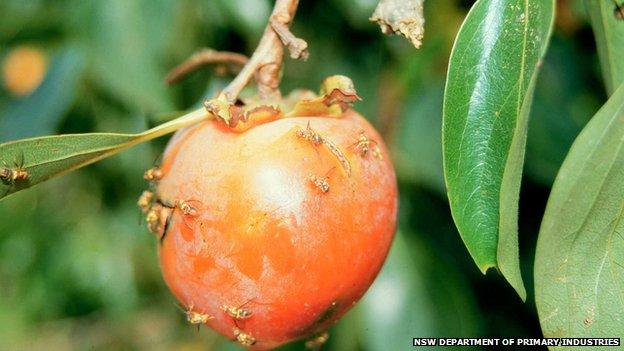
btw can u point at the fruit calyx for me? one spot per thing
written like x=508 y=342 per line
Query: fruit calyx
x=337 y=93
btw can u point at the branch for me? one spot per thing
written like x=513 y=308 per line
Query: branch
x=201 y=58
x=266 y=61
x=403 y=17
x=297 y=47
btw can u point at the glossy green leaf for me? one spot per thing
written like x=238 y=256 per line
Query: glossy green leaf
x=49 y=156
x=609 y=34
x=579 y=263
x=488 y=94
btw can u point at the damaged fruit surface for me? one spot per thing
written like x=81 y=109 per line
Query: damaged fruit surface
x=274 y=231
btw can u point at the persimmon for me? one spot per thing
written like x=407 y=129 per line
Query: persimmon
x=274 y=231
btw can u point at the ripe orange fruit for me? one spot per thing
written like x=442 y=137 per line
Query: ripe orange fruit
x=272 y=233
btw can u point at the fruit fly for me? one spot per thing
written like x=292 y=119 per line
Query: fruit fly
x=153 y=174
x=244 y=338
x=195 y=317
x=316 y=139
x=310 y=135
x=322 y=183
x=17 y=173
x=237 y=312
x=158 y=218
x=364 y=145
x=618 y=12
x=12 y=175
x=317 y=341
x=145 y=201
x=187 y=209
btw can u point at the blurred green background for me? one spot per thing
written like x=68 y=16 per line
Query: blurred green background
x=78 y=271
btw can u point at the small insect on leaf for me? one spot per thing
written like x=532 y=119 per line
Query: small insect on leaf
x=618 y=11
x=13 y=175
x=51 y=156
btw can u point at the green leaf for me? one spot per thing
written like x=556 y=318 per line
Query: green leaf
x=125 y=48
x=50 y=156
x=609 y=34
x=579 y=263
x=489 y=88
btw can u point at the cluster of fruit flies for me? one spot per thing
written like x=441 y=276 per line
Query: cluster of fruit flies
x=13 y=175
x=363 y=146
x=155 y=210
x=237 y=313
x=158 y=216
x=158 y=212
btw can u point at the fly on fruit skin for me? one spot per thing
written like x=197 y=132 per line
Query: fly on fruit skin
x=321 y=183
x=153 y=174
x=316 y=139
x=236 y=312
x=364 y=145
x=243 y=338
x=195 y=317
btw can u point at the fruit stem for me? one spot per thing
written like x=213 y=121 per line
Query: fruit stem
x=266 y=61
x=201 y=58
